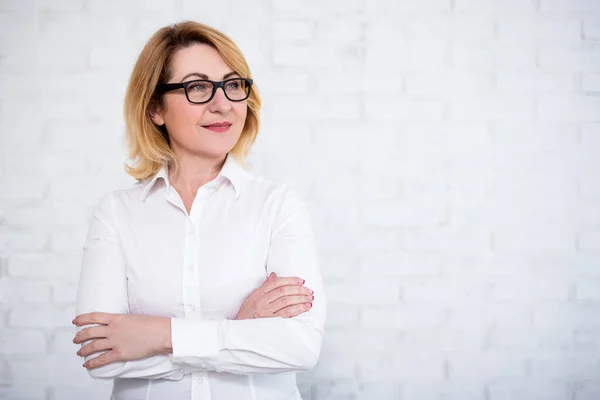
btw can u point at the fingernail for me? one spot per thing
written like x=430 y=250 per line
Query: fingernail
x=309 y=305
x=85 y=365
x=303 y=281
x=313 y=297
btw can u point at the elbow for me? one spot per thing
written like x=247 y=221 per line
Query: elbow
x=308 y=354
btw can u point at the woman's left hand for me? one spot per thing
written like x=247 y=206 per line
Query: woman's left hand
x=124 y=337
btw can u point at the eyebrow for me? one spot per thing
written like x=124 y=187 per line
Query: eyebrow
x=204 y=76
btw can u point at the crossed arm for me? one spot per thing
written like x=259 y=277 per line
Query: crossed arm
x=270 y=337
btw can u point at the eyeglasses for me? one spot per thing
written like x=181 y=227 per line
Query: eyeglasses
x=202 y=91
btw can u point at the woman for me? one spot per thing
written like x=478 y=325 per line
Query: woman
x=195 y=281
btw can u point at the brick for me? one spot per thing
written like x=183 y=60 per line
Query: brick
x=395 y=263
x=99 y=6
x=448 y=240
x=491 y=6
x=100 y=390
x=393 y=108
x=530 y=388
x=345 y=30
x=19 y=342
x=400 y=7
x=473 y=26
x=44 y=266
x=293 y=31
x=293 y=55
x=371 y=292
x=533 y=240
x=342 y=317
x=568 y=109
x=18 y=5
x=537 y=83
x=19 y=187
x=591 y=82
x=445 y=290
x=64 y=293
x=405 y=316
x=562 y=58
x=399 y=213
x=493 y=108
x=529 y=289
x=22 y=392
x=17 y=25
x=62 y=5
x=16 y=291
x=12 y=241
x=591 y=28
x=41 y=317
x=447 y=84
x=569 y=5
x=488 y=55
x=411 y=367
x=565 y=365
x=575 y=315
x=489 y=365
x=28 y=372
x=588 y=289
x=589 y=390
x=414 y=56
x=444 y=340
x=554 y=30
x=448 y=390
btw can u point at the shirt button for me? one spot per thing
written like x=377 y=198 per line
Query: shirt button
x=199 y=380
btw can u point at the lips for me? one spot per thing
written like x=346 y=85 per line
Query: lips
x=218 y=126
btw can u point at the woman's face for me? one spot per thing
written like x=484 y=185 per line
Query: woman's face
x=188 y=124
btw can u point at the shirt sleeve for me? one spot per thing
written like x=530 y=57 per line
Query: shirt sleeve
x=265 y=345
x=103 y=287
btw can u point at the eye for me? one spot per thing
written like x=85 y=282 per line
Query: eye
x=198 y=87
x=234 y=85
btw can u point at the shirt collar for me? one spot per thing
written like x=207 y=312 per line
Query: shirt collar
x=231 y=170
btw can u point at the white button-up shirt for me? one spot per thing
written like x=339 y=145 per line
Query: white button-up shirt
x=145 y=255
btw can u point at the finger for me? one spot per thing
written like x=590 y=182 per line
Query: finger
x=293 y=311
x=104 y=359
x=287 y=301
x=93 y=332
x=93 y=318
x=278 y=282
x=94 y=347
x=287 y=291
x=271 y=276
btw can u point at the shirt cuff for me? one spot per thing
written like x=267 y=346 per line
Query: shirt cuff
x=193 y=339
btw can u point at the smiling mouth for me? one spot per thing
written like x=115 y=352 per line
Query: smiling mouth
x=219 y=127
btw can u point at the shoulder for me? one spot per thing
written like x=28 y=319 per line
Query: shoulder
x=278 y=192
x=122 y=197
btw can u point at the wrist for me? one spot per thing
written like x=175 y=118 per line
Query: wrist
x=167 y=342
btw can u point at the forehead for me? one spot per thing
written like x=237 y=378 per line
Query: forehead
x=200 y=58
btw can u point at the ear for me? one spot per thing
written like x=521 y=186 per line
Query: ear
x=156 y=114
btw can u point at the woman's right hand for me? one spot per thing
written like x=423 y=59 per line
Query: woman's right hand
x=277 y=297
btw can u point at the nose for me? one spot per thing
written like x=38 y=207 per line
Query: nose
x=220 y=103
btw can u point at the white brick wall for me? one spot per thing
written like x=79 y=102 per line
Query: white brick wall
x=449 y=150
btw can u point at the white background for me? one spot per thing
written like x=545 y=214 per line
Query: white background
x=449 y=151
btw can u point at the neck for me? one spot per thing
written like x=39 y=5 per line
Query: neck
x=195 y=171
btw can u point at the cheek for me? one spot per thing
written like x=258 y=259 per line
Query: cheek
x=182 y=113
x=241 y=110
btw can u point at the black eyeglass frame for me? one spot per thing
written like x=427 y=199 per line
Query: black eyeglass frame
x=167 y=87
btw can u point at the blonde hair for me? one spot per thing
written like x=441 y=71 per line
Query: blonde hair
x=148 y=144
